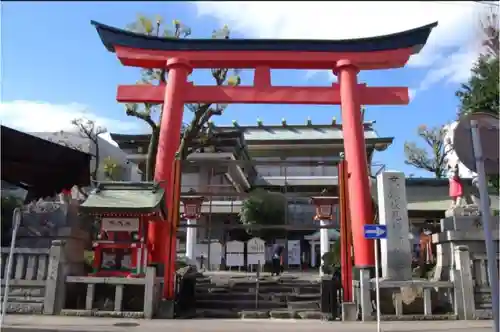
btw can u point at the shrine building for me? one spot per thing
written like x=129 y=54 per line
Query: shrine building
x=298 y=160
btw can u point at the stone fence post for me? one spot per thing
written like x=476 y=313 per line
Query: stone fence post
x=55 y=286
x=150 y=292
x=463 y=284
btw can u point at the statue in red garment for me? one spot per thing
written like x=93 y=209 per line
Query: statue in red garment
x=456 y=187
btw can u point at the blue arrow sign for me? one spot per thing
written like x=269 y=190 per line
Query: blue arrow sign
x=375 y=232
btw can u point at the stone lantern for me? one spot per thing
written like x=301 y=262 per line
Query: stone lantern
x=192 y=212
x=325 y=209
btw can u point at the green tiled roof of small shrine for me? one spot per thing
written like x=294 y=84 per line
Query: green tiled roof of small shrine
x=125 y=197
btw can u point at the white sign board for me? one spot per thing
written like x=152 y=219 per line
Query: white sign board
x=393 y=212
x=201 y=249
x=215 y=253
x=293 y=252
x=120 y=224
x=235 y=253
x=256 y=250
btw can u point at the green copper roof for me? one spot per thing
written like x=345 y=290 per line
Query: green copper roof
x=283 y=132
x=125 y=197
x=307 y=133
x=333 y=235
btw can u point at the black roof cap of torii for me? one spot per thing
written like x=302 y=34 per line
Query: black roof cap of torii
x=414 y=38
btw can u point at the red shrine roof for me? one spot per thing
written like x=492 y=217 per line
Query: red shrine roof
x=414 y=39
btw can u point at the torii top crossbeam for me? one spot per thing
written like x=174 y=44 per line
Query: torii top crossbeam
x=344 y=57
x=389 y=51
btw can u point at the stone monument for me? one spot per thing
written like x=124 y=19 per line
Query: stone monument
x=396 y=254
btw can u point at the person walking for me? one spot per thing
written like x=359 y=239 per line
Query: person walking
x=276 y=260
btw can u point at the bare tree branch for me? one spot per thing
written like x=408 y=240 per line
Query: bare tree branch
x=88 y=129
x=201 y=112
x=435 y=160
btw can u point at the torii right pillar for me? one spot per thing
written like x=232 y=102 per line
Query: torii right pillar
x=360 y=203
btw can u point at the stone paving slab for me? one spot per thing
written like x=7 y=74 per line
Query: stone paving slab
x=21 y=323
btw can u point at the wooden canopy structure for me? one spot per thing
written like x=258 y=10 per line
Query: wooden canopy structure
x=42 y=167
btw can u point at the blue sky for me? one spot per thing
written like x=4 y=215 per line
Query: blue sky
x=52 y=56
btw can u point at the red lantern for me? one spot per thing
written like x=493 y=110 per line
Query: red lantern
x=325 y=207
x=192 y=206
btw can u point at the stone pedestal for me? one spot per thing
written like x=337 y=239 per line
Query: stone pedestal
x=396 y=256
x=462 y=228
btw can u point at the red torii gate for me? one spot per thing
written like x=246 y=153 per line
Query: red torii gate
x=344 y=57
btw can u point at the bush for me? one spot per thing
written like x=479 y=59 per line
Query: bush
x=264 y=208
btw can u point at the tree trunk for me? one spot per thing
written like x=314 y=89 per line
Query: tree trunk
x=152 y=150
x=97 y=157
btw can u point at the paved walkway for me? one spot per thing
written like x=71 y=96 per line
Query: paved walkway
x=20 y=323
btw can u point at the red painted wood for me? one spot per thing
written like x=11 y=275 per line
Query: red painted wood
x=262 y=78
x=271 y=95
x=345 y=234
x=360 y=200
x=273 y=59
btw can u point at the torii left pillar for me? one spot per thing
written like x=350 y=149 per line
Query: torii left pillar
x=360 y=201
x=168 y=144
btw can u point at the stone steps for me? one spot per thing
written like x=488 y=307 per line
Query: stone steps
x=236 y=296
x=282 y=298
x=238 y=304
x=303 y=305
x=262 y=314
x=233 y=296
x=310 y=291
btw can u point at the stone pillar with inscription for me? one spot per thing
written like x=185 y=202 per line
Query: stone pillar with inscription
x=396 y=256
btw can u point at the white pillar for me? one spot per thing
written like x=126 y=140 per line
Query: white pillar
x=324 y=242
x=191 y=240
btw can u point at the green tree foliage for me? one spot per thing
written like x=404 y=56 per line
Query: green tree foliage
x=433 y=157
x=151 y=114
x=263 y=207
x=331 y=260
x=480 y=93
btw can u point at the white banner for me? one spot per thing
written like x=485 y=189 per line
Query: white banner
x=120 y=224
x=293 y=252
x=235 y=253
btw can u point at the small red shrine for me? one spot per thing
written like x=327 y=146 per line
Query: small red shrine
x=123 y=211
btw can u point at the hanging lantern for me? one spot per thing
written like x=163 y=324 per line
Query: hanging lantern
x=192 y=206
x=325 y=207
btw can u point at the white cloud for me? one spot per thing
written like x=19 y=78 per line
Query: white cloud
x=447 y=56
x=32 y=116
